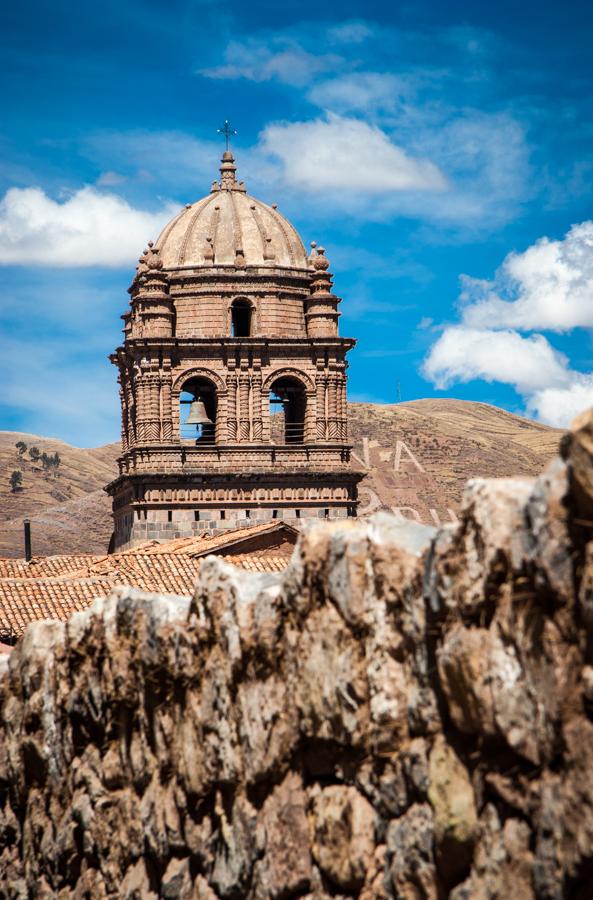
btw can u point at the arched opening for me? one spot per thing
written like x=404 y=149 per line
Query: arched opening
x=241 y=318
x=197 y=411
x=288 y=404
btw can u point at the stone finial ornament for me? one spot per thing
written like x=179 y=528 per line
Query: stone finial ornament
x=152 y=257
x=320 y=261
x=322 y=310
x=228 y=169
x=141 y=268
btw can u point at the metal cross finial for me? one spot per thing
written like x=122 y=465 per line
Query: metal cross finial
x=227 y=130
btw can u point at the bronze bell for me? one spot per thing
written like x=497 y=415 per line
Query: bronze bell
x=198 y=414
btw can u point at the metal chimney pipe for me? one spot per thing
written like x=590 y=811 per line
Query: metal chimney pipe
x=28 y=554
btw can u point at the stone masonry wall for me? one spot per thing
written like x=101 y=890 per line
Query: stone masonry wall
x=183 y=523
x=403 y=713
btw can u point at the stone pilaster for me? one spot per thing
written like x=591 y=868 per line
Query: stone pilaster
x=244 y=380
x=152 y=386
x=256 y=405
x=342 y=407
x=166 y=387
x=231 y=381
x=221 y=424
x=124 y=413
x=131 y=407
x=333 y=429
x=310 y=424
x=320 y=403
x=142 y=412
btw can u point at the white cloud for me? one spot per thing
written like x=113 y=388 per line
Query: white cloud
x=559 y=406
x=364 y=91
x=354 y=32
x=463 y=354
x=267 y=59
x=553 y=392
x=481 y=157
x=342 y=154
x=549 y=286
x=89 y=228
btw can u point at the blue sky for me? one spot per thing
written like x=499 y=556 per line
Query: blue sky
x=440 y=152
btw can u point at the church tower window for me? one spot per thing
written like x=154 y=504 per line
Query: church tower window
x=288 y=407
x=197 y=411
x=241 y=315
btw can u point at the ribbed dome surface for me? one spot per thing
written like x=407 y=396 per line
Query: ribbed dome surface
x=230 y=228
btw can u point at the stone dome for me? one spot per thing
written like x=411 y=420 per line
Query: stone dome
x=230 y=228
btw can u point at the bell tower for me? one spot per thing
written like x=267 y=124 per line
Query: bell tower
x=232 y=376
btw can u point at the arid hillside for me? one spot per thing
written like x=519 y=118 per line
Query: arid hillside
x=79 y=472
x=418 y=456
x=66 y=504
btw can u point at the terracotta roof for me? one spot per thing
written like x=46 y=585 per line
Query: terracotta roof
x=83 y=564
x=202 y=545
x=24 y=600
x=56 y=586
x=165 y=573
x=258 y=563
x=45 y=566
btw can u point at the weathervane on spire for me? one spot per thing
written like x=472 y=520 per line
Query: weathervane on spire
x=227 y=130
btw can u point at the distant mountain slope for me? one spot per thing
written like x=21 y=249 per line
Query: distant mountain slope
x=82 y=525
x=79 y=472
x=417 y=457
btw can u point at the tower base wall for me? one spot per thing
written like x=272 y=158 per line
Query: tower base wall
x=164 y=507
x=141 y=531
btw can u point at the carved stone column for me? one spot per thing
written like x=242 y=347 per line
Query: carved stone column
x=342 y=407
x=141 y=407
x=153 y=419
x=124 y=412
x=333 y=431
x=264 y=400
x=320 y=392
x=221 y=424
x=244 y=379
x=166 y=405
x=256 y=402
x=310 y=424
x=131 y=408
x=231 y=382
